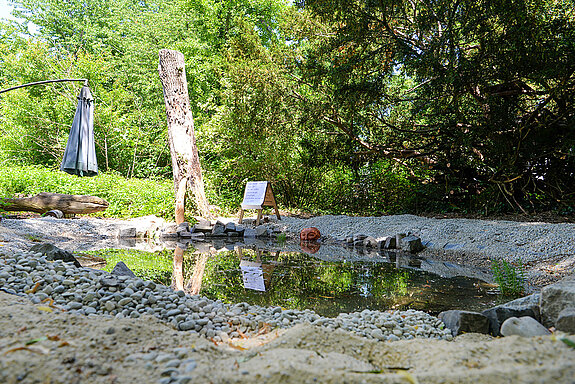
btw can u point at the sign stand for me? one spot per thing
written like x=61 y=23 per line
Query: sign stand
x=257 y=195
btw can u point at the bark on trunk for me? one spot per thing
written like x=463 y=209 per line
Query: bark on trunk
x=185 y=160
x=44 y=202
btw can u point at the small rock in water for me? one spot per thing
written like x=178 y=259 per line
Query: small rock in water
x=121 y=269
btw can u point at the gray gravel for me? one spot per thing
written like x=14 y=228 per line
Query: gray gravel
x=508 y=240
x=97 y=293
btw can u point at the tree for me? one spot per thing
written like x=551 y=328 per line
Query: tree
x=185 y=159
x=465 y=86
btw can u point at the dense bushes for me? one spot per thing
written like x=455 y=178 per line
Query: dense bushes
x=127 y=197
x=346 y=107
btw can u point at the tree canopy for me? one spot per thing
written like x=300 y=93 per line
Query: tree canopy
x=346 y=106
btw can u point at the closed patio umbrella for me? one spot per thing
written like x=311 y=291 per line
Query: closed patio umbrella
x=80 y=154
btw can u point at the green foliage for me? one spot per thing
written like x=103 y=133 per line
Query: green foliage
x=346 y=107
x=126 y=197
x=464 y=86
x=510 y=277
x=154 y=266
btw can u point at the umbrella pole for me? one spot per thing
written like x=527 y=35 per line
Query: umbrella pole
x=43 y=82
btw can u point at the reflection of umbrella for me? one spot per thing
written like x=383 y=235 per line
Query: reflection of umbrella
x=80 y=154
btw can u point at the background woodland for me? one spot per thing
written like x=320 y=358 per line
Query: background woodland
x=358 y=107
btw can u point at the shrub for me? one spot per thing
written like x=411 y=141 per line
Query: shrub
x=126 y=197
x=509 y=277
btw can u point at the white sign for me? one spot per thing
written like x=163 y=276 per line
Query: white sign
x=254 y=195
x=253 y=275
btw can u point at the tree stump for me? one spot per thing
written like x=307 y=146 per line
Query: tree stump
x=186 y=167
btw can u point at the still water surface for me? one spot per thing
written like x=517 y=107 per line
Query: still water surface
x=299 y=280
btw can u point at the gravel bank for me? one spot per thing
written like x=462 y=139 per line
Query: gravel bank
x=101 y=329
x=507 y=240
x=546 y=250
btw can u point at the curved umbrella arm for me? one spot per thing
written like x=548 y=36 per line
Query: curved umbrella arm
x=43 y=82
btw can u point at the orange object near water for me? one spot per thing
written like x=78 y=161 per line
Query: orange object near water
x=309 y=234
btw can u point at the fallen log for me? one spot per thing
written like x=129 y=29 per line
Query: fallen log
x=44 y=202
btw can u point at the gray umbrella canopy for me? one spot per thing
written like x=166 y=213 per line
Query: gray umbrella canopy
x=80 y=154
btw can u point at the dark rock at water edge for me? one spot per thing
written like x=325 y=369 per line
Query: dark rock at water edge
x=240 y=229
x=185 y=235
x=261 y=230
x=230 y=227
x=370 y=242
x=203 y=225
x=359 y=237
x=121 y=269
x=411 y=244
x=219 y=229
x=127 y=233
x=54 y=253
x=249 y=233
x=525 y=306
x=464 y=322
x=183 y=227
x=390 y=242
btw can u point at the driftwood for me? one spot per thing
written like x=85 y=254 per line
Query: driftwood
x=184 y=152
x=44 y=202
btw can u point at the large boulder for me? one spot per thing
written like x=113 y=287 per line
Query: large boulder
x=54 y=253
x=525 y=306
x=566 y=320
x=523 y=326
x=555 y=298
x=464 y=322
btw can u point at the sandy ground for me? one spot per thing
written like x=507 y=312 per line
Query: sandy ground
x=40 y=344
x=78 y=349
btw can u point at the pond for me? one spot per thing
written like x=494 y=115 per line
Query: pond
x=329 y=282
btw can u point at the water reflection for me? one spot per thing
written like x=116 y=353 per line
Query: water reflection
x=256 y=275
x=310 y=247
x=272 y=277
x=194 y=284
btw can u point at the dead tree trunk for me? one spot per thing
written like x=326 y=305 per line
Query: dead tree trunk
x=185 y=160
x=44 y=202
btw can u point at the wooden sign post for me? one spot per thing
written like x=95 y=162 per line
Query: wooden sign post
x=257 y=195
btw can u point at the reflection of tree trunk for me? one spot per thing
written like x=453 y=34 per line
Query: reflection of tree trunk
x=178 y=275
x=194 y=286
x=185 y=159
x=268 y=270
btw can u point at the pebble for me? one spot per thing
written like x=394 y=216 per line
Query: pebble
x=98 y=293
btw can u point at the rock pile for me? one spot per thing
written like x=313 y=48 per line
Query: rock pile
x=527 y=316
x=407 y=243
x=203 y=229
